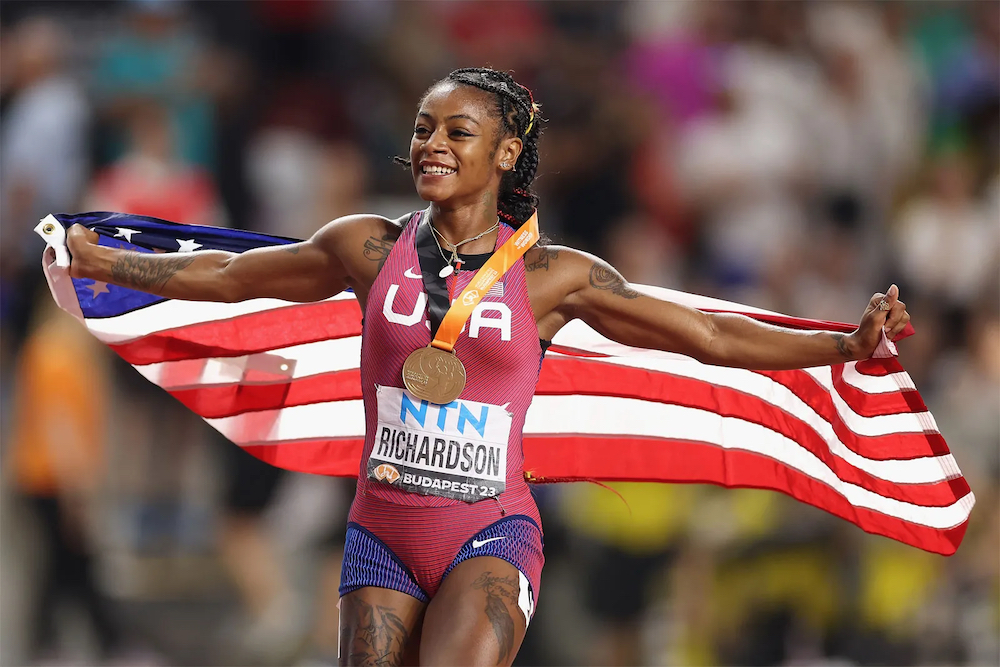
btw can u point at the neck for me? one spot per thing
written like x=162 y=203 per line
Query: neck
x=463 y=222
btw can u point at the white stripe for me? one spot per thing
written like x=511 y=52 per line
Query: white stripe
x=304 y=360
x=334 y=355
x=874 y=384
x=589 y=415
x=174 y=313
x=596 y=415
x=335 y=419
x=776 y=395
x=612 y=416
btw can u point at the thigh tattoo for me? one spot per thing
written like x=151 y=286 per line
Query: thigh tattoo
x=379 y=635
x=497 y=590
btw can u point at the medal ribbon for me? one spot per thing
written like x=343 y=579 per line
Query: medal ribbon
x=447 y=332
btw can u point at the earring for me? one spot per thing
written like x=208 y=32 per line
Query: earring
x=505 y=165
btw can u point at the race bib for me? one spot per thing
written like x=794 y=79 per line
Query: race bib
x=457 y=450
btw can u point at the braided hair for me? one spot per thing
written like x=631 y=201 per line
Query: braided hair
x=519 y=117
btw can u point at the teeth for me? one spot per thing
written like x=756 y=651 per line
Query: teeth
x=434 y=170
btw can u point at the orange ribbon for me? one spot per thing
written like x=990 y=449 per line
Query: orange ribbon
x=485 y=278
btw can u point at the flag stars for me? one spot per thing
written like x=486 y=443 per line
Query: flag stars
x=126 y=233
x=99 y=288
x=188 y=245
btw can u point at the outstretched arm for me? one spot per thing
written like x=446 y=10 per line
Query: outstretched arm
x=306 y=271
x=596 y=293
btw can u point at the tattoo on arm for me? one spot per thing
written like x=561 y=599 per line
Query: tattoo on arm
x=604 y=277
x=379 y=636
x=498 y=589
x=541 y=260
x=139 y=270
x=377 y=250
x=841 y=341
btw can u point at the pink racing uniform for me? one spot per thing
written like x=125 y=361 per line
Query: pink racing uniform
x=442 y=483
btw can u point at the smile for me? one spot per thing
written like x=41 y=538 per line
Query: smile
x=436 y=170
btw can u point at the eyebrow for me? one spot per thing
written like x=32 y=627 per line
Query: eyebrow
x=453 y=117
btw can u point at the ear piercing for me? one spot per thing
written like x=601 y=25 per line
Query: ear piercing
x=505 y=165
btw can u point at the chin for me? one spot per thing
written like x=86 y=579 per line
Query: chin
x=433 y=193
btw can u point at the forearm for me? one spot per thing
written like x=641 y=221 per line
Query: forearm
x=740 y=341
x=189 y=276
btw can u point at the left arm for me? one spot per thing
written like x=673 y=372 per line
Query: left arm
x=596 y=293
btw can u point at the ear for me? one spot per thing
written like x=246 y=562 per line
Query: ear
x=508 y=153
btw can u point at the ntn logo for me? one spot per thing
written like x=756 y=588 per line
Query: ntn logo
x=457 y=412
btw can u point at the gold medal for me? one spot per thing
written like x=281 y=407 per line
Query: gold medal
x=434 y=375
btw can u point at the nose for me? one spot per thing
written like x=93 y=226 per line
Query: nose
x=436 y=142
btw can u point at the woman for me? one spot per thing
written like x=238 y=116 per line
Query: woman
x=444 y=546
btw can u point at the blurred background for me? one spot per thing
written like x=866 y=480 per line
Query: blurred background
x=796 y=156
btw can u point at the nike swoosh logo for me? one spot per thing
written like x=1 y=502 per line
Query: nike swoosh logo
x=409 y=274
x=476 y=543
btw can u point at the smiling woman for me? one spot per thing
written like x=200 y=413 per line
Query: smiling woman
x=443 y=553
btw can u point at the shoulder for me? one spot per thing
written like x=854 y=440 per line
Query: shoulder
x=559 y=261
x=361 y=242
x=360 y=227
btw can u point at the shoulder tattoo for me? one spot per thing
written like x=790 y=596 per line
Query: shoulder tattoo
x=377 y=249
x=541 y=259
x=602 y=276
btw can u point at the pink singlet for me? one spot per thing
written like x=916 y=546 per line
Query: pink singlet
x=438 y=454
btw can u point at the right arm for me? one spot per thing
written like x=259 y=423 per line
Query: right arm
x=308 y=271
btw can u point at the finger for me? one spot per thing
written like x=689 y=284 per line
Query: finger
x=898 y=328
x=873 y=303
x=894 y=315
x=892 y=295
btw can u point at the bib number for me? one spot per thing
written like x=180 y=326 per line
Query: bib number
x=457 y=450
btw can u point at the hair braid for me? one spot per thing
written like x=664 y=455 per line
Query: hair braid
x=519 y=117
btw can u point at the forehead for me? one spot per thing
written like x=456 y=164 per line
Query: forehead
x=448 y=98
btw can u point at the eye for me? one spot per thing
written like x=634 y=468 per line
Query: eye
x=420 y=131
x=461 y=133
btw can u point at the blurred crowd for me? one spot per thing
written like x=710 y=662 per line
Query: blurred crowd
x=796 y=156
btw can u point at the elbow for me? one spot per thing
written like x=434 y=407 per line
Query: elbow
x=711 y=348
x=228 y=289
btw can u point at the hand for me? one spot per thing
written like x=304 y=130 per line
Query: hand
x=890 y=317
x=79 y=240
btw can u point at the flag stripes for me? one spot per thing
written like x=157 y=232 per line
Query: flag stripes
x=282 y=380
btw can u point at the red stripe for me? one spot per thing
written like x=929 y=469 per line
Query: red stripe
x=901 y=401
x=222 y=401
x=247 y=334
x=337 y=457
x=879 y=367
x=894 y=446
x=646 y=460
x=215 y=401
x=589 y=377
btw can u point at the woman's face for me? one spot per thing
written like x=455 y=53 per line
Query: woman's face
x=454 y=151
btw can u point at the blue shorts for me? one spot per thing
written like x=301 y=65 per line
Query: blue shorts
x=516 y=539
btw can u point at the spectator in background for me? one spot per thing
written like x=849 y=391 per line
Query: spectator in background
x=150 y=179
x=57 y=461
x=157 y=57
x=43 y=164
x=948 y=242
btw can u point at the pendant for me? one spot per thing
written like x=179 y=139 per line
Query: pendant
x=434 y=375
x=446 y=271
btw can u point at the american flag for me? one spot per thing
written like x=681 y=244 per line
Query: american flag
x=282 y=381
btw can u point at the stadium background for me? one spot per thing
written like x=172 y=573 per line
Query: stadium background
x=796 y=156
